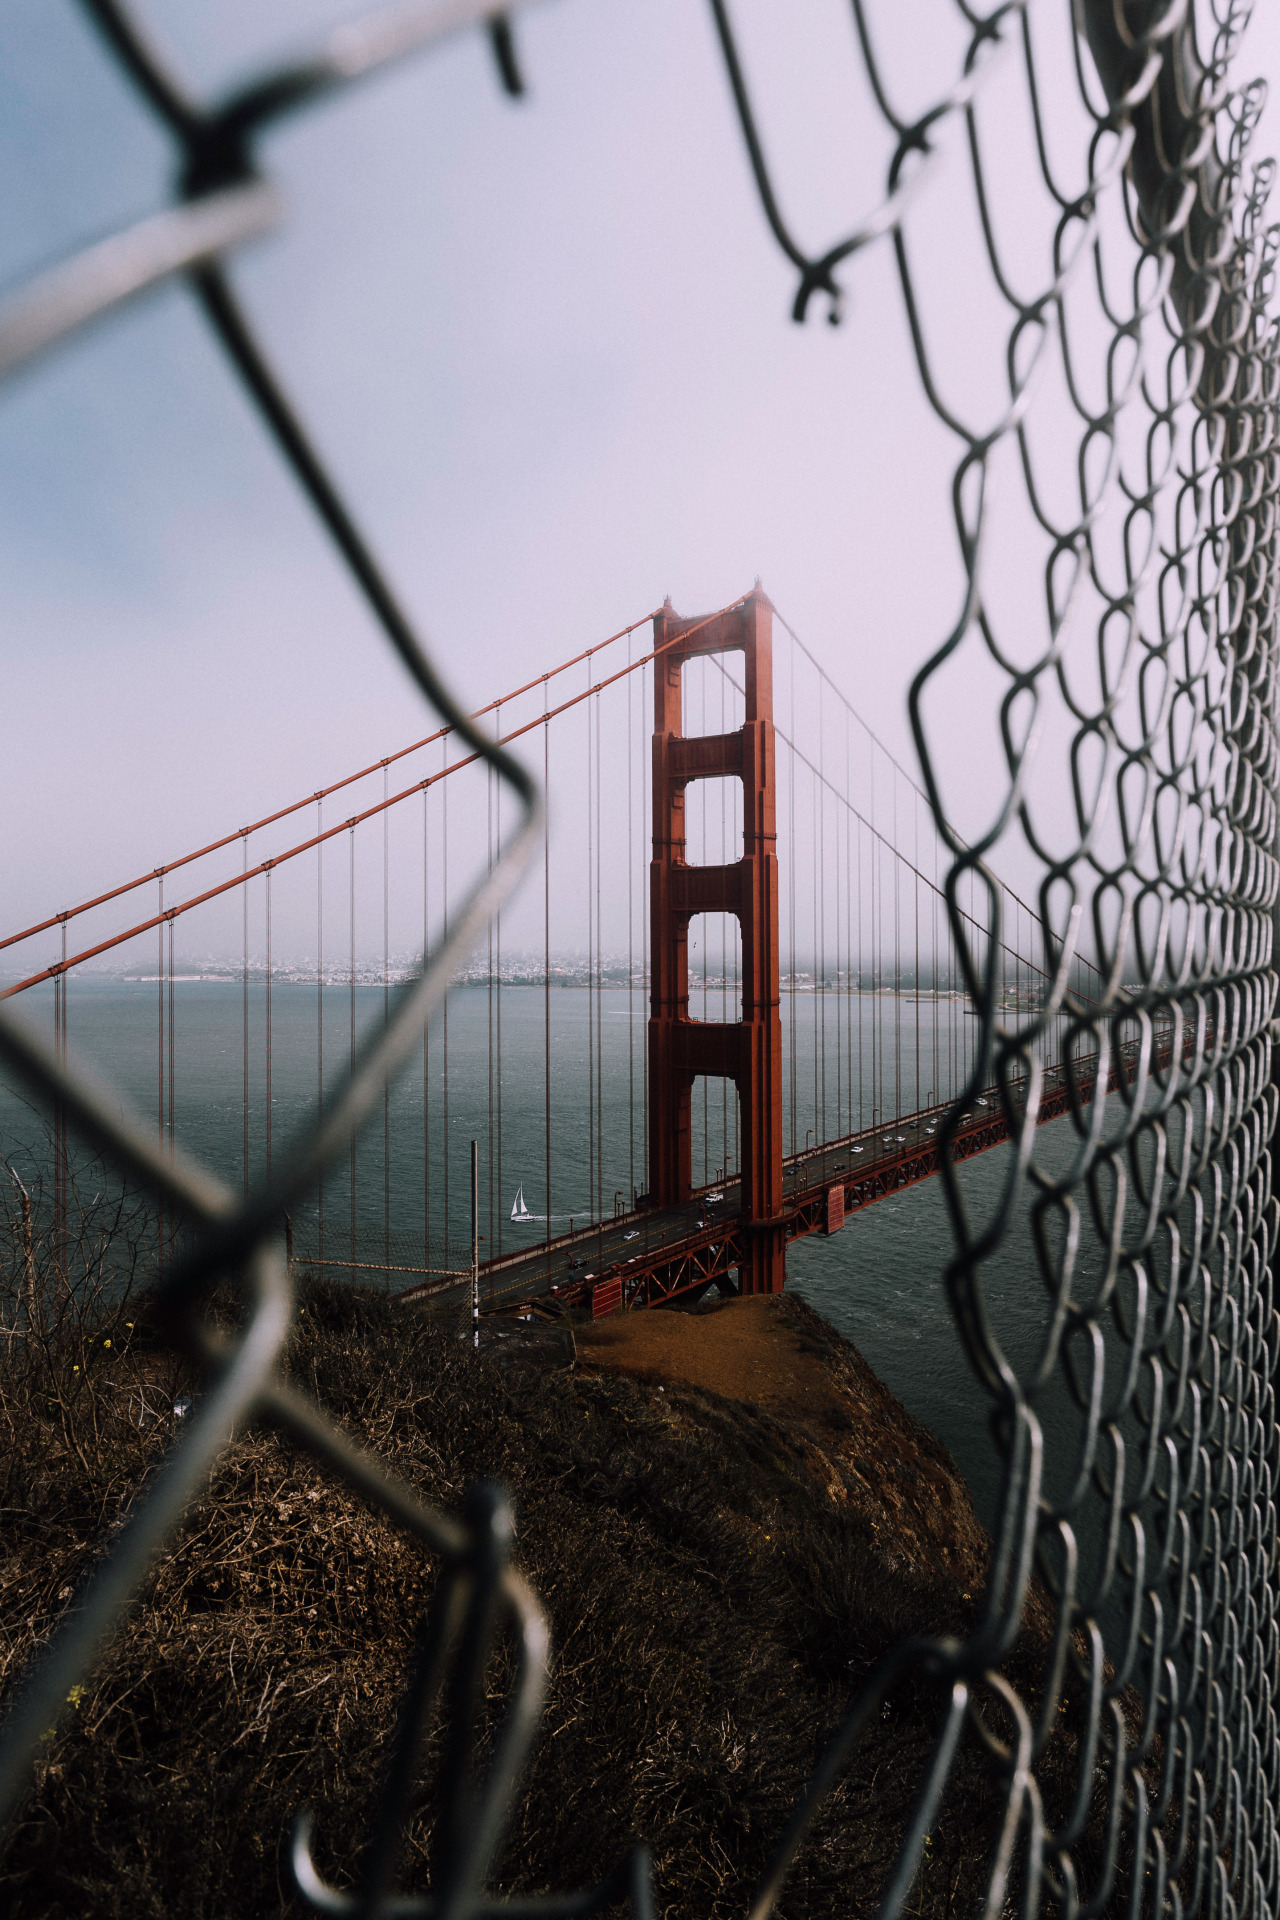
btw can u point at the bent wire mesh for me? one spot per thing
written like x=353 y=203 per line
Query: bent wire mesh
x=1114 y=491
x=1114 y=501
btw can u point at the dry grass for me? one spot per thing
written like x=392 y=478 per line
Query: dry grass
x=717 y=1581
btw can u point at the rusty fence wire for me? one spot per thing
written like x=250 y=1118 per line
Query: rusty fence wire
x=1114 y=499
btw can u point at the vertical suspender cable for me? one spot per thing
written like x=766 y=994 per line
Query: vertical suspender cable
x=64 y=1168
x=1017 y=967
x=852 y=956
x=59 y=1197
x=915 y=887
x=173 y=1218
x=943 y=965
x=735 y=1104
x=160 y=1014
x=837 y=873
x=969 y=1043
x=488 y=835
x=1004 y=953
x=172 y=1032
x=897 y=961
x=546 y=950
x=475 y=1246
x=599 y=968
x=936 y=1094
x=61 y=1169
x=724 y=956
x=968 y=1035
x=791 y=889
x=351 y=1019
x=956 y=1023
x=832 y=886
x=646 y=829
x=268 y=880
x=58 y=979
x=426 y=1047
x=873 y=934
x=319 y=1013
x=879 y=1093
x=981 y=944
x=980 y=938
x=591 y=1033
x=244 y=900
x=820 y=894
x=1005 y=944
x=734 y=1159
x=631 y=951
x=881 y=989
x=940 y=1003
x=701 y=795
x=948 y=942
x=386 y=1019
x=161 y=1210
x=999 y=955
x=706 y=932
x=862 y=1109
x=444 y=1012
x=813 y=869
x=496 y=1180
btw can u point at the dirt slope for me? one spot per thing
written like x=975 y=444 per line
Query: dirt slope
x=729 y=1521
x=773 y=1353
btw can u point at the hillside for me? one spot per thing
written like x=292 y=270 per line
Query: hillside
x=721 y=1568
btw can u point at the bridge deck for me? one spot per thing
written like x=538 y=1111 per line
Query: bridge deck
x=653 y=1254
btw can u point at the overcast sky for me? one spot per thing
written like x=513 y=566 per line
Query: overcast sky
x=546 y=346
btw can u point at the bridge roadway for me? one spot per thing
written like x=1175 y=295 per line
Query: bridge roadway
x=651 y=1254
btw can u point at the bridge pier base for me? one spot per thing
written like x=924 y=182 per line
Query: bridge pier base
x=766 y=1268
x=747 y=1051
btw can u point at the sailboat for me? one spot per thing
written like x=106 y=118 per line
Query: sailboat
x=521 y=1214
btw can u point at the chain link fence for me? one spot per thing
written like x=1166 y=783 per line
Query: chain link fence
x=1130 y=463
x=1115 y=529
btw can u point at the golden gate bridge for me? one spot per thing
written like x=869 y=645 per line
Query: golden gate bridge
x=806 y=1047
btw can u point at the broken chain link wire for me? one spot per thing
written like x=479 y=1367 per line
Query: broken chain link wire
x=1137 y=1435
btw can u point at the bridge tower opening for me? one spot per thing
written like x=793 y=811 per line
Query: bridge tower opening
x=747 y=1051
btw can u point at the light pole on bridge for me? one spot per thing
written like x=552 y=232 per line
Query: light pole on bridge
x=475 y=1246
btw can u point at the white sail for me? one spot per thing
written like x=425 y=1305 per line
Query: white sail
x=519 y=1211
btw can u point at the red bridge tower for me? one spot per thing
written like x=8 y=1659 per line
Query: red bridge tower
x=747 y=1051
